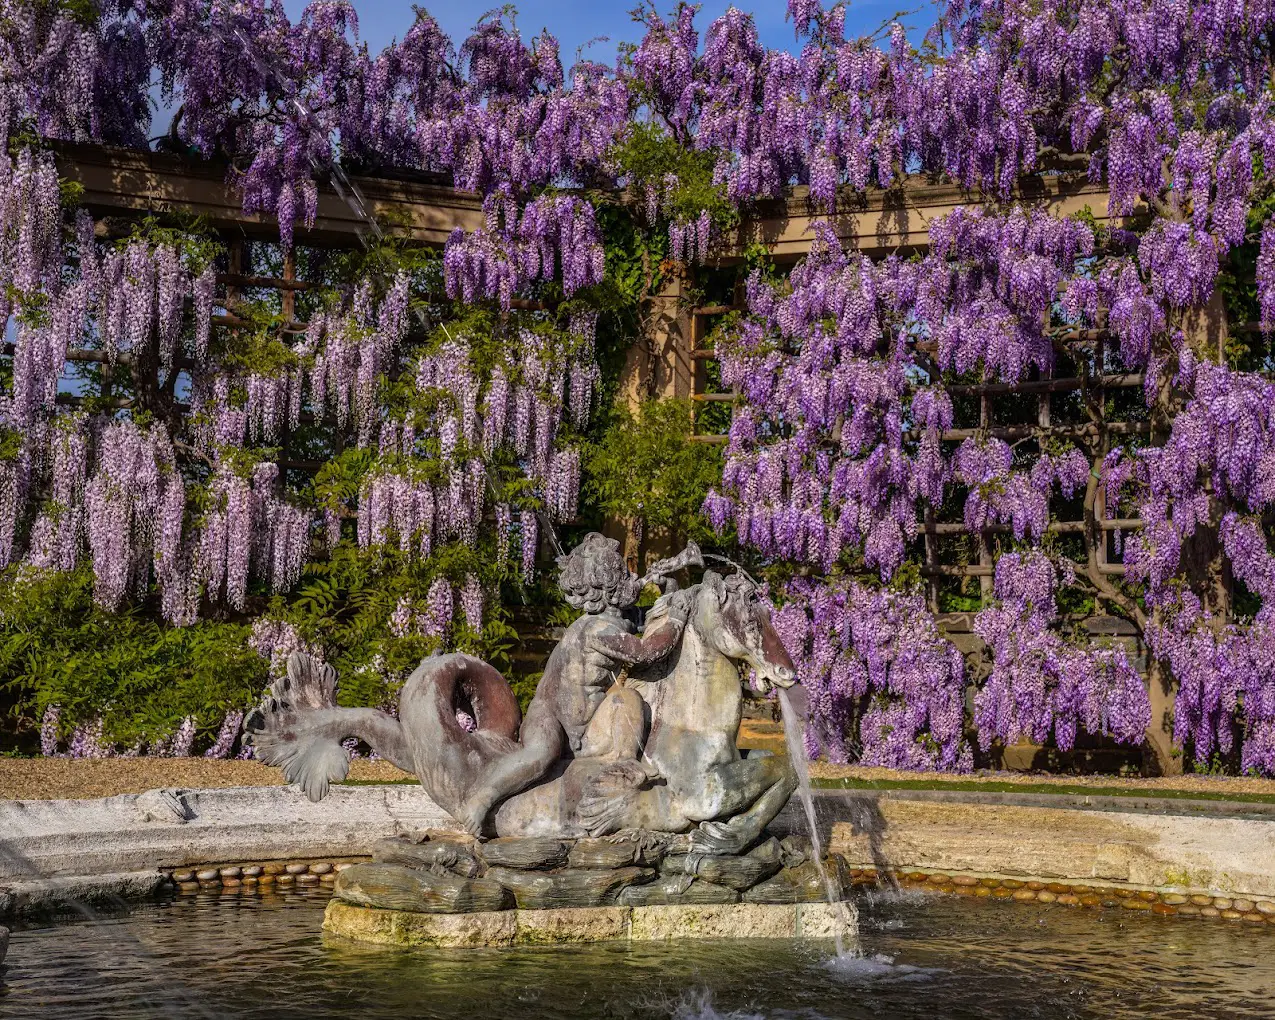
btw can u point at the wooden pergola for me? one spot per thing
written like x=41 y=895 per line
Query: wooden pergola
x=673 y=359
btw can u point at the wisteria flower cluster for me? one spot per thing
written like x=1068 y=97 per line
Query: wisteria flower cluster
x=885 y=688
x=1041 y=685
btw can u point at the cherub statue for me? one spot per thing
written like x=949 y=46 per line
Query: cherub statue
x=579 y=710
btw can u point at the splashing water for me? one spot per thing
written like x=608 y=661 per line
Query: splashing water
x=846 y=912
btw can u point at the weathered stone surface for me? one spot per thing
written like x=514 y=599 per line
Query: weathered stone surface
x=409 y=928
x=797 y=850
x=1146 y=849
x=826 y=921
x=592 y=924
x=575 y=887
x=736 y=872
x=395 y=887
x=604 y=853
x=571 y=924
x=675 y=889
x=723 y=921
x=4 y=942
x=452 y=856
x=804 y=884
x=517 y=852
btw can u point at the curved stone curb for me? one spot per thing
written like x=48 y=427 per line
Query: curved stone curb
x=49 y=895
x=1166 y=903
x=584 y=924
x=131 y=832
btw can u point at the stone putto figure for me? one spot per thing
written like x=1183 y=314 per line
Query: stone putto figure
x=626 y=731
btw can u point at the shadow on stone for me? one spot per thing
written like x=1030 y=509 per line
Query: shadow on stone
x=539 y=890
x=803 y=884
x=677 y=889
x=454 y=857
x=395 y=887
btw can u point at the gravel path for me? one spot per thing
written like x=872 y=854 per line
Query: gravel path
x=66 y=778
x=58 y=778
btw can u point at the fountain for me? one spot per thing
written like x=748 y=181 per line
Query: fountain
x=621 y=791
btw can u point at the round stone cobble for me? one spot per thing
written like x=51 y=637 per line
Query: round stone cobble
x=189 y=887
x=285 y=879
x=1210 y=912
x=1222 y=902
x=1023 y=895
x=231 y=882
x=296 y=868
x=1189 y=910
x=1202 y=901
x=1148 y=895
x=273 y=868
x=1069 y=899
x=1011 y=883
x=183 y=876
x=1231 y=915
x=1035 y=886
x=231 y=873
x=208 y=875
x=1133 y=903
x=1058 y=889
x=991 y=883
x=1243 y=906
x=322 y=868
x=965 y=880
x=252 y=871
x=1173 y=899
x=1045 y=896
x=1002 y=893
x=982 y=891
x=344 y=865
x=1090 y=900
x=1163 y=909
x=1255 y=917
x=307 y=879
x=1265 y=907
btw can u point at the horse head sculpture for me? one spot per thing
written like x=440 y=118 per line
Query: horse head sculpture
x=732 y=617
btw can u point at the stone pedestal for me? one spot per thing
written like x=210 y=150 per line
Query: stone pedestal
x=566 y=925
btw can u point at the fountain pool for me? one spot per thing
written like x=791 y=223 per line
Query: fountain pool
x=924 y=957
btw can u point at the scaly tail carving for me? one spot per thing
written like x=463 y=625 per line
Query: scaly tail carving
x=299 y=727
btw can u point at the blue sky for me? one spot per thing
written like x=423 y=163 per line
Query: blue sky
x=575 y=22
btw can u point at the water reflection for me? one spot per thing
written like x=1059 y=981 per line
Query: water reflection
x=264 y=956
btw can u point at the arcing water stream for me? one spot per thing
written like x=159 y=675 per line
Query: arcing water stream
x=795 y=736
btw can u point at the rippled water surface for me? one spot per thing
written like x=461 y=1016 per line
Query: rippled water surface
x=924 y=957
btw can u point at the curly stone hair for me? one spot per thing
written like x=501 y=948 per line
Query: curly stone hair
x=594 y=575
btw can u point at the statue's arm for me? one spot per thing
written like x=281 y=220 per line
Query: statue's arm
x=634 y=650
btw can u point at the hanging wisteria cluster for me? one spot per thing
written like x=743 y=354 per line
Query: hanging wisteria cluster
x=885 y=688
x=837 y=451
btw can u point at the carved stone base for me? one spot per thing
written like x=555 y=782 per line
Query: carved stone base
x=443 y=873
x=566 y=925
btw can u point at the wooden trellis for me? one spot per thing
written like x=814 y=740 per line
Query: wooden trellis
x=126 y=183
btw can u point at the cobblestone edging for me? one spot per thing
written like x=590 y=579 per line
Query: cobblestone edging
x=1105 y=895
x=281 y=876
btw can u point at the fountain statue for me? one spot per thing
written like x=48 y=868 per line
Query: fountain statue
x=626 y=758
